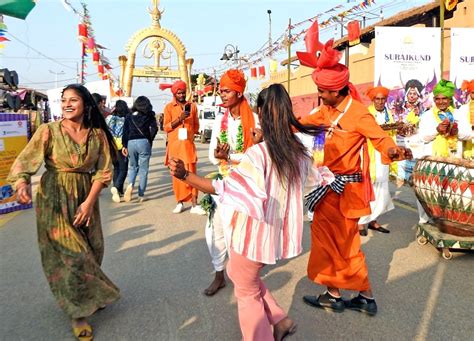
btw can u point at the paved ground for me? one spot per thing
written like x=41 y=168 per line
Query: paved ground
x=161 y=264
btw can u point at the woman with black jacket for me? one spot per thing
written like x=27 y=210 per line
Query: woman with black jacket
x=139 y=131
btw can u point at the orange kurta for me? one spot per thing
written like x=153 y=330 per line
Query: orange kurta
x=336 y=259
x=182 y=149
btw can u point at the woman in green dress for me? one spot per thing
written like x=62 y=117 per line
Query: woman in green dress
x=77 y=152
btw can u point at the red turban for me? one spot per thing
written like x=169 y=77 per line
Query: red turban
x=329 y=74
x=372 y=92
x=234 y=80
x=468 y=85
x=178 y=85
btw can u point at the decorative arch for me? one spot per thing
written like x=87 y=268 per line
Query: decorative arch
x=156 y=33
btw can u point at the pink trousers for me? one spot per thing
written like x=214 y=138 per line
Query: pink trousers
x=258 y=310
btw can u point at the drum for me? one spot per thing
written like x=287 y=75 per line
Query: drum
x=445 y=187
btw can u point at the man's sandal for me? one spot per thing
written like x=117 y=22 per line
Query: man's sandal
x=83 y=333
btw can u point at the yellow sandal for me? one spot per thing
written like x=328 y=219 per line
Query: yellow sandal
x=83 y=333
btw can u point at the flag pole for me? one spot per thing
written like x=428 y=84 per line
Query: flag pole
x=289 y=54
x=441 y=25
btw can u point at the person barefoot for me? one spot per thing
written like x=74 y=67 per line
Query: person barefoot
x=284 y=328
x=217 y=284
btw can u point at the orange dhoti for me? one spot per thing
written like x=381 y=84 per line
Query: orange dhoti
x=336 y=260
x=182 y=191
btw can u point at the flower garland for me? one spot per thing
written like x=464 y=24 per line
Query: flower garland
x=224 y=137
x=224 y=165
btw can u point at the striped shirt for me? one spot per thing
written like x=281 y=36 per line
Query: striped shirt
x=267 y=222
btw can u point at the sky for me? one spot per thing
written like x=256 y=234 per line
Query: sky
x=45 y=51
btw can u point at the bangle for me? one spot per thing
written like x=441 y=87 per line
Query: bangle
x=184 y=176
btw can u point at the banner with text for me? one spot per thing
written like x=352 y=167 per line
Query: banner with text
x=13 y=138
x=462 y=55
x=405 y=53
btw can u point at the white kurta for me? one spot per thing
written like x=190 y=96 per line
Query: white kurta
x=383 y=200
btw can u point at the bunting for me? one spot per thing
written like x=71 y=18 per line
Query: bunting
x=333 y=16
x=3 y=30
x=89 y=45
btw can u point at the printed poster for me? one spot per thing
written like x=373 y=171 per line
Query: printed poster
x=13 y=138
x=462 y=55
x=405 y=53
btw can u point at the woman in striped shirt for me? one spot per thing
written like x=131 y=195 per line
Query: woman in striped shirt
x=266 y=191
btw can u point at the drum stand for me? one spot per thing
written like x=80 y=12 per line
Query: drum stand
x=429 y=233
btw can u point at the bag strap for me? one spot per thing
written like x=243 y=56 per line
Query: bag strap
x=141 y=132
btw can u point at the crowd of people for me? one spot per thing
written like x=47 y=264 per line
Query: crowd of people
x=256 y=207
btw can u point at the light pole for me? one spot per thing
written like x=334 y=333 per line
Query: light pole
x=56 y=77
x=231 y=52
x=269 y=33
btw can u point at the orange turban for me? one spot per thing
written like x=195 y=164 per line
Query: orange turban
x=234 y=79
x=372 y=92
x=468 y=85
x=332 y=78
x=178 y=85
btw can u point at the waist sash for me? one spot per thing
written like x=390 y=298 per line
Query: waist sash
x=313 y=197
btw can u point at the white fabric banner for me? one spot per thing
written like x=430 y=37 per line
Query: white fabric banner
x=404 y=53
x=462 y=55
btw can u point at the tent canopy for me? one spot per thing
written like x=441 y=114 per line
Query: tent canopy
x=16 y=8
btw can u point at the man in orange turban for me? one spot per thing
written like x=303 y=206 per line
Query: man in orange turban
x=233 y=133
x=181 y=122
x=379 y=172
x=336 y=260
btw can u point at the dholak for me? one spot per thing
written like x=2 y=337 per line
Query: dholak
x=445 y=187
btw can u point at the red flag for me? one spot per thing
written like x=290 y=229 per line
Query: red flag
x=82 y=32
x=253 y=73
x=261 y=72
x=91 y=43
x=353 y=28
x=95 y=57
x=100 y=69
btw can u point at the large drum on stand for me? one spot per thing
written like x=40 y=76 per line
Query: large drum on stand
x=445 y=188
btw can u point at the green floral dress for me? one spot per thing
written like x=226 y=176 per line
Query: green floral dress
x=71 y=256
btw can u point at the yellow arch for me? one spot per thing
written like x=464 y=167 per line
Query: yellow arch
x=128 y=63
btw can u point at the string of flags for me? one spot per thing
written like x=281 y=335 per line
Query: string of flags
x=3 y=30
x=89 y=45
x=283 y=40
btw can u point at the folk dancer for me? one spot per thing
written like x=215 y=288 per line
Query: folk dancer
x=336 y=260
